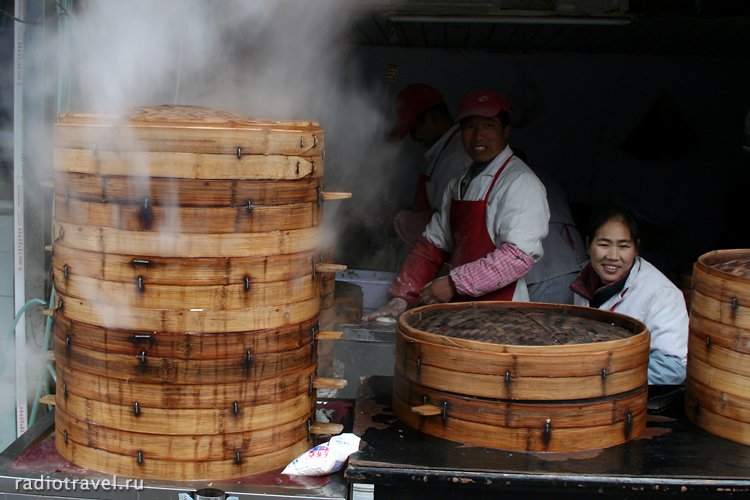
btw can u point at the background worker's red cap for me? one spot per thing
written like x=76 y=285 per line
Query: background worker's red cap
x=483 y=103
x=414 y=99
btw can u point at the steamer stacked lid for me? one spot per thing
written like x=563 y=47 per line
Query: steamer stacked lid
x=718 y=370
x=185 y=253
x=520 y=376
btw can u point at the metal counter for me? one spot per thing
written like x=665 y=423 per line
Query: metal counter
x=22 y=476
x=671 y=459
x=365 y=348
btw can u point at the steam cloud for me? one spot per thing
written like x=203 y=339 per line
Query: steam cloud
x=270 y=60
x=267 y=59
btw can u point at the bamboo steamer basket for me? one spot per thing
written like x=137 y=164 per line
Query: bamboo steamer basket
x=718 y=377
x=522 y=376
x=187 y=272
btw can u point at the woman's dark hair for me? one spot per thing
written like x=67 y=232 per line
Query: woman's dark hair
x=613 y=212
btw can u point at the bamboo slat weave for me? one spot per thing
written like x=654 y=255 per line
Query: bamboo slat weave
x=517 y=326
x=736 y=267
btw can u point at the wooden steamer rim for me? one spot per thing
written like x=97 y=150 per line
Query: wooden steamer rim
x=148 y=369
x=187 y=447
x=181 y=345
x=182 y=421
x=706 y=263
x=187 y=245
x=638 y=328
x=719 y=295
x=525 y=439
x=525 y=426
x=250 y=218
x=523 y=377
x=143 y=294
x=182 y=320
x=222 y=164
x=186 y=192
x=186 y=396
x=172 y=270
x=141 y=465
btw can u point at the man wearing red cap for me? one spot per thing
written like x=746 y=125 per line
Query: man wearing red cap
x=422 y=114
x=490 y=225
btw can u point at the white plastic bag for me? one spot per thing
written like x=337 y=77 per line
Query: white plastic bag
x=324 y=458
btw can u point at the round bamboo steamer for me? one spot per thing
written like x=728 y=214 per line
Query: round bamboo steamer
x=127 y=190
x=188 y=320
x=554 y=426
x=208 y=220
x=226 y=297
x=522 y=376
x=147 y=368
x=186 y=245
x=181 y=345
x=270 y=390
x=718 y=377
x=198 y=421
x=144 y=466
x=186 y=242
x=172 y=270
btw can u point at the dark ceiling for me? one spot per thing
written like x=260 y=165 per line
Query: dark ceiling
x=719 y=28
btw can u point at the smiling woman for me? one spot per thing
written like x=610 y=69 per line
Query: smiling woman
x=613 y=247
x=617 y=279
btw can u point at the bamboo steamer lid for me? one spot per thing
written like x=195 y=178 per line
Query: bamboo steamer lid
x=186 y=129
x=522 y=376
x=187 y=142
x=718 y=378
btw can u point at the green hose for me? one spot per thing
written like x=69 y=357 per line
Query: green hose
x=12 y=332
x=42 y=377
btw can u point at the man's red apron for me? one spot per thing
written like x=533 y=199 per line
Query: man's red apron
x=421 y=201
x=471 y=241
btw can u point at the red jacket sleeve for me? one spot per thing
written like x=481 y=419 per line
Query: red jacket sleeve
x=421 y=266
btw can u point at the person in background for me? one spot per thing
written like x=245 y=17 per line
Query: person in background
x=490 y=225
x=564 y=253
x=422 y=113
x=617 y=279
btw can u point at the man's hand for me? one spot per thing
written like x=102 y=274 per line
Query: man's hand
x=437 y=291
x=393 y=308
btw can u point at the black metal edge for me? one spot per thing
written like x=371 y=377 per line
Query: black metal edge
x=545 y=482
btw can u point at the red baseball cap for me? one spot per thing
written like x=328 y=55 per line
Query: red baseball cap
x=414 y=99
x=483 y=103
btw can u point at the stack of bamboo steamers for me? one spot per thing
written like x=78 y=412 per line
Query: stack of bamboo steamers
x=187 y=267
x=521 y=376
x=717 y=388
